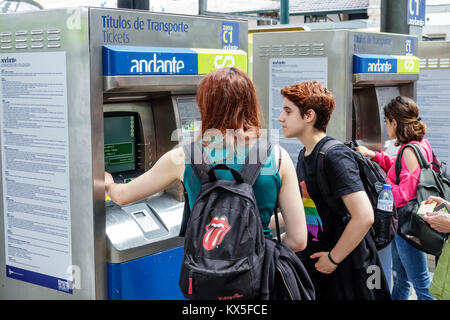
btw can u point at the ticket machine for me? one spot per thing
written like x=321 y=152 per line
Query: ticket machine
x=363 y=70
x=86 y=90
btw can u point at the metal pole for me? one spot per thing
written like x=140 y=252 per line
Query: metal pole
x=284 y=11
x=134 y=4
x=201 y=7
x=127 y=4
x=393 y=16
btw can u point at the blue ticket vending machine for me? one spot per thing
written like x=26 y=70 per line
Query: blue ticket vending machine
x=154 y=277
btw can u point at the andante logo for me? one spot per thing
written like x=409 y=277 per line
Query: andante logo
x=223 y=62
x=157 y=66
x=379 y=66
x=8 y=60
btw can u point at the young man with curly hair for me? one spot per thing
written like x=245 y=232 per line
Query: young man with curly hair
x=340 y=257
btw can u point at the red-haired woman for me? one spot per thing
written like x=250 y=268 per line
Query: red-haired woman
x=230 y=111
x=403 y=123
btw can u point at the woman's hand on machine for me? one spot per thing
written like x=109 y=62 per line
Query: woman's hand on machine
x=365 y=151
x=108 y=181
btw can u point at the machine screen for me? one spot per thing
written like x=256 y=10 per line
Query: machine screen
x=120 y=143
x=139 y=214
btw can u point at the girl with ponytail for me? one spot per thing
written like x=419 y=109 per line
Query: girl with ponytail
x=404 y=124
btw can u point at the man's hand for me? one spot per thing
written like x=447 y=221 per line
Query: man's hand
x=324 y=264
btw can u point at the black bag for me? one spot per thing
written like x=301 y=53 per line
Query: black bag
x=284 y=275
x=224 y=240
x=373 y=177
x=412 y=227
x=441 y=167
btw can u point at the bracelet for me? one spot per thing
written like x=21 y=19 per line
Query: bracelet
x=331 y=259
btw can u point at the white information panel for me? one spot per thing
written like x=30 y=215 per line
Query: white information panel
x=189 y=117
x=35 y=168
x=284 y=72
x=433 y=99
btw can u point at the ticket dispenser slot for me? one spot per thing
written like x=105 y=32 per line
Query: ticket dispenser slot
x=368 y=115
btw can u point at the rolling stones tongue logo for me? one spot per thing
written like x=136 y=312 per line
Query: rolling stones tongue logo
x=215 y=231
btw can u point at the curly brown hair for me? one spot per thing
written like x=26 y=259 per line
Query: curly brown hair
x=409 y=125
x=312 y=95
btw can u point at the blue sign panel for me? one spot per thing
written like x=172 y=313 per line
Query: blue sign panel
x=416 y=12
x=409 y=46
x=366 y=63
x=124 y=60
x=39 y=279
x=230 y=35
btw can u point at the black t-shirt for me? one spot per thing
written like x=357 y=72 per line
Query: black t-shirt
x=342 y=177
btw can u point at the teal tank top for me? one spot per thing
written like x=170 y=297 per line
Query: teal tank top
x=266 y=187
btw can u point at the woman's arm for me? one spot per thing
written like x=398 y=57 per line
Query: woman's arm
x=291 y=206
x=385 y=161
x=409 y=178
x=166 y=170
x=362 y=217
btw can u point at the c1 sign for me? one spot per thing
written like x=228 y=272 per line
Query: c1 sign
x=416 y=13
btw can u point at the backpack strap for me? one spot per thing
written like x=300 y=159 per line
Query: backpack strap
x=322 y=180
x=423 y=163
x=255 y=160
x=275 y=211
x=199 y=163
x=194 y=156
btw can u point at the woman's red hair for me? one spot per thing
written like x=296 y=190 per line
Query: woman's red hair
x=227 y=100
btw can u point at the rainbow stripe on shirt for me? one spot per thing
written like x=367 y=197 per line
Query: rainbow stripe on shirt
x=313 y=220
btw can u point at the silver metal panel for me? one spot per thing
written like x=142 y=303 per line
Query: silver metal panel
x=66 y=30
x=338 y=46
x=127 y=241
x=203 y=32
x=306 y=44
x=153 y=83
x=383 y=79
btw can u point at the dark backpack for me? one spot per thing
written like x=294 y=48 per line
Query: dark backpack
x=224 y=240
x=228 y=257
x=284 y=275
x=412 y=227
x=373 y=177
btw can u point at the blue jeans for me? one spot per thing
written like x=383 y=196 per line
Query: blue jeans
x=386 y=262
x=409 y=265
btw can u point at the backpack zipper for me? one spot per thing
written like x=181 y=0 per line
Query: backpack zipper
x=190 y=282
x=285 y=284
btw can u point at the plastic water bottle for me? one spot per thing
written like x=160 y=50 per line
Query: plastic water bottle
x=386 y=199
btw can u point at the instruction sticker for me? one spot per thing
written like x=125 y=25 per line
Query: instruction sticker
x=35 y=169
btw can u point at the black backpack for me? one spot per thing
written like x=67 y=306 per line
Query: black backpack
x=373 y=177
x=224 y=240
x=284 y=275
x=226 y=255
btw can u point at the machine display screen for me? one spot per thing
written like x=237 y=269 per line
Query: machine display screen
x=120 y=143
x=139 y=214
